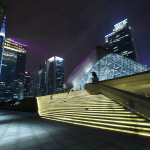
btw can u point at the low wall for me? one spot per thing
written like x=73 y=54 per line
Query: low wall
x=24 y=105
x=139 y=83
x=136 y=102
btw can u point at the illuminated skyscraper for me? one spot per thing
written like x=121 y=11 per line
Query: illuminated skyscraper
x=120 y=40
x=54 y=75
x=12 y=63
x=13 y=67
x=50 y=78
x=27 y=80
x=3 y=10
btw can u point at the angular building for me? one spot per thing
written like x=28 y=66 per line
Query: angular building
x=106 y=64
x=120 y=40
x=13 y=67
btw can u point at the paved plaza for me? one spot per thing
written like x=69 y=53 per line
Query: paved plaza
x=27 y=131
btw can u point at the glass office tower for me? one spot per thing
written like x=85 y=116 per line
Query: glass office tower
x=120 y=40
x=54 y=75
x=2 y=39
x=13 y=67
x=49 y=79
x=3 y=10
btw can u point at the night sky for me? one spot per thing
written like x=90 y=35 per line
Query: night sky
x=72 y=28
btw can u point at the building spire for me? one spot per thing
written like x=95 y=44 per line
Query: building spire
x=2 y=32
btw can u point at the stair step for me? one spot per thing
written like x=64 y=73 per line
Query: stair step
x=113 y=127
x=134 y=118
x=95 y=111
x=130 y=123
x=91 y=113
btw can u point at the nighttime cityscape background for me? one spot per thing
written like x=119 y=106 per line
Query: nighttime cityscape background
x=71 y=29
x=84 y=63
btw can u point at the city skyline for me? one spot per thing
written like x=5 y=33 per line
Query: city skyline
x=68 y=29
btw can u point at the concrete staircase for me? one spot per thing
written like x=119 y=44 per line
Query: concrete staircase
x=96 y=111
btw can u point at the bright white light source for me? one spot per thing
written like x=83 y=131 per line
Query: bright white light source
x=120 y=25
x=58 y=58
x=51 y=59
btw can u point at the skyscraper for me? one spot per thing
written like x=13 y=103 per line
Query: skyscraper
x=54 y=75
x=3 y=10
x=13 y=67
x=27 y=80
x=50 y=78
x=120 y=40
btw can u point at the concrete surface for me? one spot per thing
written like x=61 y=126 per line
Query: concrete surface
x=26 y=131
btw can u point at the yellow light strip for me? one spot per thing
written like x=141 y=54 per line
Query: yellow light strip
x=64 y=111
x=88 y=109
x=79 y=105
x=91 y=113
x=101 y=127
x=78 y=102
x=105 y=120
x=83 y=110
x=95 y=116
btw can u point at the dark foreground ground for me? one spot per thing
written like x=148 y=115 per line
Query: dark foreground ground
x=26 y=131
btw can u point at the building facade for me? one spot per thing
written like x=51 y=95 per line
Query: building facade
x=120 y=40
x=27 y=80
x=49 y=79
x=13 y=67
x=2 y=32
x=3 y=10
x=54 y=75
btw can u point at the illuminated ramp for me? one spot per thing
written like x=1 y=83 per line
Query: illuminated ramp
x=96 y=111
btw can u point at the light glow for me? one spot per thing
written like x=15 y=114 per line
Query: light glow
x=58 y=58
x=51 y=59
x=14 y=41
x=101 y=113
x=16 y=50
x=101 y=127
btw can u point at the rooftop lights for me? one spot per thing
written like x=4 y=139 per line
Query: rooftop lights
x=52 y=59
x=9 y=39
x=58 y=58
x=118 y=26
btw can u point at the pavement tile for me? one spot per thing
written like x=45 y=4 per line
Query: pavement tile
x=9 y=147
x=79 y=147
x=47 y=140
x=22 y=145
x=96 y=144
x=52 y=146
x=70 y=142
